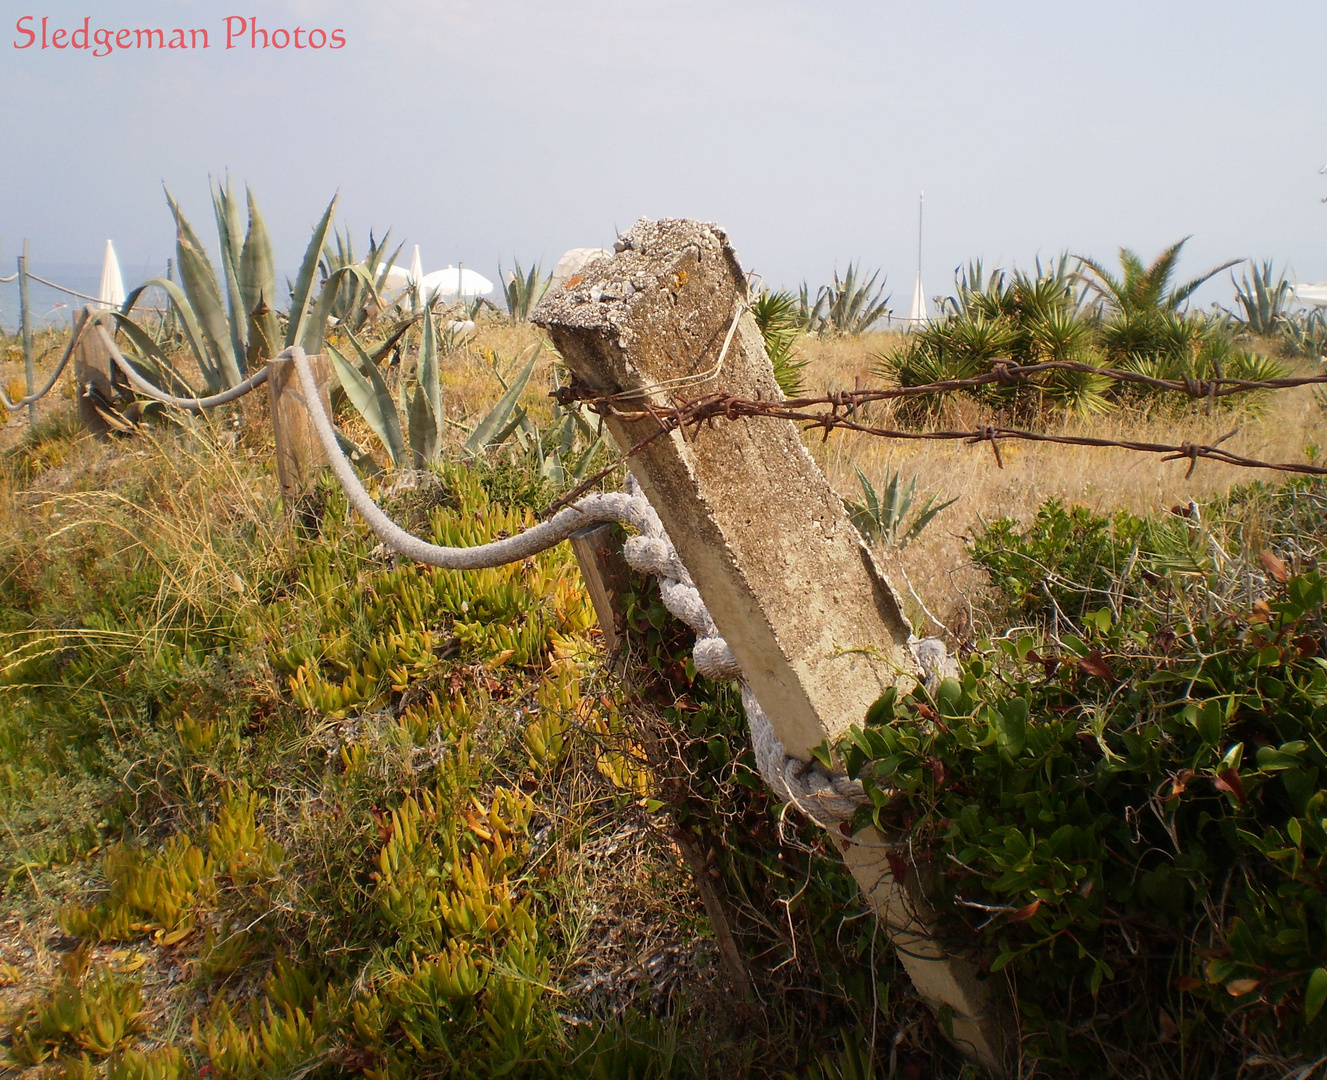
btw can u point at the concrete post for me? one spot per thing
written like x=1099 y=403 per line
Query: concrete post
x=817 y=629
x=299 y=453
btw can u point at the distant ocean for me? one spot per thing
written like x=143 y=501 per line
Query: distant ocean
x=49 y=306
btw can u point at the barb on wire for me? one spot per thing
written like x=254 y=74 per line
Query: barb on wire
x=838 y=411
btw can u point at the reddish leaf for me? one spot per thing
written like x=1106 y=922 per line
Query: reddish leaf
x=1025 y=913
x=897 y=866
x=1240 y=987
x=926 y=711
x=1094 y=664
x=1231 y=782
x=937 y=771
x=1179 y=782
x=1273 y=565
x=1307 y=645
x=1188 y=983
x=1168 y=1030
x=1261 y=612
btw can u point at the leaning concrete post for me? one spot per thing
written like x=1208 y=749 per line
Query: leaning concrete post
x=299 y=453
x=816 y=628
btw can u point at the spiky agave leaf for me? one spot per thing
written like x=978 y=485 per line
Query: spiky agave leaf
x=258 y=287
x=297 y=324
x=188 y=326
x=425 y=420
x=501 y=420
x=364 y=386
x=230 y=231
x=204 y=296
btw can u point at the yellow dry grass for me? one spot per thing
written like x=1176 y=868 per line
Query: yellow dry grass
x=1283 y=426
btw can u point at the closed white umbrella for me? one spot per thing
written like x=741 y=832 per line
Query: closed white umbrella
x=455 y=282
x=111 y=292
x=917 y=315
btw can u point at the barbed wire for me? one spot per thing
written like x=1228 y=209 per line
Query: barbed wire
x=843 y=410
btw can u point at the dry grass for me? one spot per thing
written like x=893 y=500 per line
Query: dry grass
x=935 y=568
x=1281 y=428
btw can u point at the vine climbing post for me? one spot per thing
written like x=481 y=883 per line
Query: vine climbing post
x=816 y=628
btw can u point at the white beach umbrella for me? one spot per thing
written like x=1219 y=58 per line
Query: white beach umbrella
x=575 y=260
x=1312 y=292
x=111 y=292
x=395 y=279
x=455 y=282
x=917 y=315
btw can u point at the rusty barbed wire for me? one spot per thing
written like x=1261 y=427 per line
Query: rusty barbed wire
x=839 y=410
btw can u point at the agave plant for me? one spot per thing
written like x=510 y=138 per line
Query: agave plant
x=883 y=515
x=227 y=333
x=1263 y=300
x=524 y=289
x=364 y=384
x=356 y=303
x=847 y=306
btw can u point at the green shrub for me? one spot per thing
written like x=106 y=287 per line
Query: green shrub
x=1127 y=815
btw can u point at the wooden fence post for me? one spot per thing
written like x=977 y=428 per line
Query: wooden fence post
x=607 y=578
x=25 y=330
x=817 y=629
x=95 y=378
x=299 y=453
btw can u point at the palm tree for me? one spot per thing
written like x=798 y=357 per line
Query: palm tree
x=1140 y=288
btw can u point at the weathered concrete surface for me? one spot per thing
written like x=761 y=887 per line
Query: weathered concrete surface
x=818 y=631
x=815 y=626
x=979 y=1024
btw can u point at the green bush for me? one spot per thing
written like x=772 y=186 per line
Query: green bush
x=1127 y=816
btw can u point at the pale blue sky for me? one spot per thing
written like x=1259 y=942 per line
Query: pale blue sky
x=486 y=128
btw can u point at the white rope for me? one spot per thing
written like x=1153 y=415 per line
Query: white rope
x=193 y=404
x=36 y=395
x=590 y=510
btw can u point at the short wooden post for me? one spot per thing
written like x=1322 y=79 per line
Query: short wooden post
x=299 y=453
x=25 y=330
x=817 y=629
x=598 y=551
x=95 y=378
